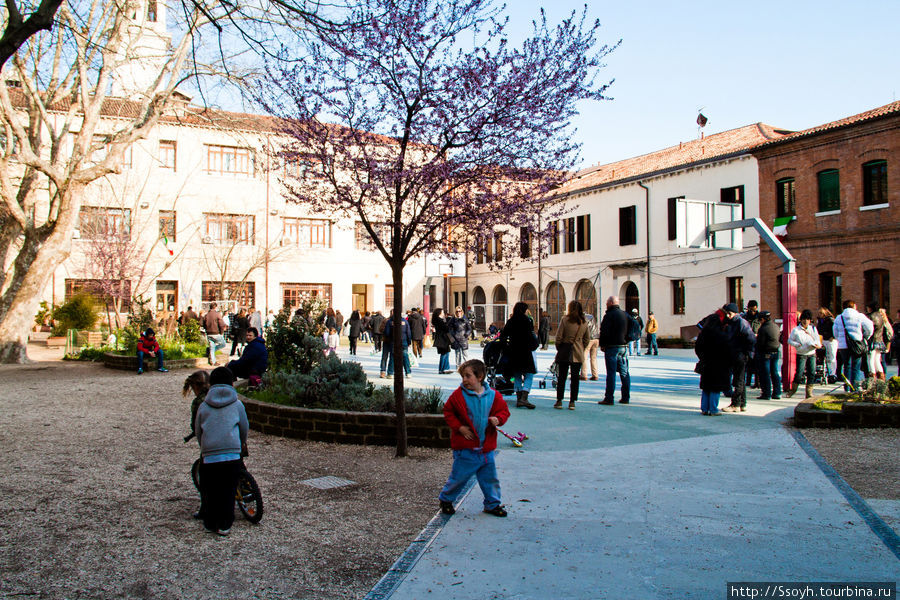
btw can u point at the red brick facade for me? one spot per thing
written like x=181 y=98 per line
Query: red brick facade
x=860 y=244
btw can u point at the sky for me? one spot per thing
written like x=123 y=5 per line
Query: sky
x=792 y=64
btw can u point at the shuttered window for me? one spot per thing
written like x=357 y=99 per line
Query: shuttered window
x=829 y=190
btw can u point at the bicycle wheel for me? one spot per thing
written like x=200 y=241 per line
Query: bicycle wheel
x=248 y=497
x=195 y=474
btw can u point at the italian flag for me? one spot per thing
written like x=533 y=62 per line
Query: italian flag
x=166 y=244
x=780 y=226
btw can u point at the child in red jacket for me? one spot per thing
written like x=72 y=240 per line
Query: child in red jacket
x=473 y=412
x=148 y=345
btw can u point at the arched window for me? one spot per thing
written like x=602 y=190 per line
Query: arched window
x=478 y=302
x=878 y=288
x=556 y=303
x=830 y=291
x=528 y=295
x=499 y=300
x=631 y=297
x=586 y=293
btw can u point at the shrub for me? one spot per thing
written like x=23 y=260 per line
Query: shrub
x=190 y=332
x=292 y=346
x=44 y=314
x=79 y=312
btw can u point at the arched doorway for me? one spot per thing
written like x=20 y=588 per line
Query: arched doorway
x=528 y=295
x=498 y=298
x=587 y=295
x=631 y=296
x=478 y=302
x=556 y=303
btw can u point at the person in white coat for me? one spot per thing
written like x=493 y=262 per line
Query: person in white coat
x=857 y=328
x=805 y=339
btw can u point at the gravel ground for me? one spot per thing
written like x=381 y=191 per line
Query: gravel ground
x=98 y=479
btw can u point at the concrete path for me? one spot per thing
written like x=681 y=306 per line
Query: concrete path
x=648 y=500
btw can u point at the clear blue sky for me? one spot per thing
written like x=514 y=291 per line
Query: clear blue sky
x=789 y=63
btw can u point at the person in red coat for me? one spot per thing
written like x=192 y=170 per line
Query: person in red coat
x=473 y=412
x=148 y=345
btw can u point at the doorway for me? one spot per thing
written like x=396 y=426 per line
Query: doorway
x=360 y=297
x=632 y=297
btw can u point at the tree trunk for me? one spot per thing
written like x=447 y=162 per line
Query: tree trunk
x=35 y=263
x=399 y=394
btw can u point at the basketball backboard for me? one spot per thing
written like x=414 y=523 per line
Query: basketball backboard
x=438 y=265
x=693 y=217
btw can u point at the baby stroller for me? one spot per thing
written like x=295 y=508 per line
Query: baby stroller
x=552 y=374
x=493 y=352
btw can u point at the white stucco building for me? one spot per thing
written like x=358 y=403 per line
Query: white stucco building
x=620 y=237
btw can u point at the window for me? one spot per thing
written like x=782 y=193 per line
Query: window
x=875 y=183
x=105 y=290
x=732 y=195
x=554 y=237
x=878 y=288
x=98 y=222
x=151 y=11
x=678 y=296
x=243 y=293
x=307 y=233
x=830 y=291
x=228 y=160
x=497 y=243
x=294 y=293
x=673 y=217
x=524 y=242
x=167 y=154
x=569 y=239
x=583 y=232
x=167 y=225
x=785 y=202
x=364 y=240
x=829 y=190
x=736 y=290
x=230 y=229
x=627 y=225
x=389 y=298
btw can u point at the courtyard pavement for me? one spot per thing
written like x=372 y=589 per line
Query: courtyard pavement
x=647 y=500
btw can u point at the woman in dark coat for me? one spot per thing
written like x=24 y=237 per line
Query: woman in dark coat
x=713 y=348
x=355 y=327
x=441 y=340
x=459 y=336
x=519 y=342
x=239 y=327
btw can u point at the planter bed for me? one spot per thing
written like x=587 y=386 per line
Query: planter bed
x=344 y=427
x=852 y=414
x=129 y=363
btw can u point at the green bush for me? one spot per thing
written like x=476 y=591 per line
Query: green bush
x=292 y=346
x=190 y=332
x=79 y=312
x=44 y=314
x=91 y=353
x=175 y=349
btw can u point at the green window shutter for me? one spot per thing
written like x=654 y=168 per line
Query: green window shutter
x=829 y=190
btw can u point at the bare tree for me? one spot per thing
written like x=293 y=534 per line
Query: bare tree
x=18 y=28
x=436 y=116
x=61 y=130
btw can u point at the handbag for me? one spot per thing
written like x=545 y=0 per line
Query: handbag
x=855 y=346
x=564 y=352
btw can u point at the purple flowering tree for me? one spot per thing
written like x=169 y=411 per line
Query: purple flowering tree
x=420 y=120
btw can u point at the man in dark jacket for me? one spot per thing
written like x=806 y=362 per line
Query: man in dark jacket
x=417 y=331
x=741 y=341
x=767 y=346
x=613 y=329
x=254 y=359
x=376 y=327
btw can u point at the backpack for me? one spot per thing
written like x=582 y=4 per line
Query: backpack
x=382 y=325
x=634 y=330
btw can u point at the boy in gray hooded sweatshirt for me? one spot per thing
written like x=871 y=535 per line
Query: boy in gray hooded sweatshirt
x=221 y=426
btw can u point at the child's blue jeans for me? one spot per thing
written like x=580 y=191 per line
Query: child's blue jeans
x=473 y=462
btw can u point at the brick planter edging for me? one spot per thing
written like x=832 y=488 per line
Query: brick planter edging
x=344 y=427
x=853 y=414
x=129 y=363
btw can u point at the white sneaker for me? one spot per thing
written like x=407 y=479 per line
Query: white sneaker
x=224 y=532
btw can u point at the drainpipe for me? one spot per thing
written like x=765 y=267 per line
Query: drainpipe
x=647 y=209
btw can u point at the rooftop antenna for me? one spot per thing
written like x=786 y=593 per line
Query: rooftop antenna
x=701 y=122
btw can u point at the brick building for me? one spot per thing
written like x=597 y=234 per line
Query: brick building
x=841 y=184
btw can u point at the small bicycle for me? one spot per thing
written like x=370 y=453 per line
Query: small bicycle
x=247 y=496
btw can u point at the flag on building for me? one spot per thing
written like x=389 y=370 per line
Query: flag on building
x=780 y=226
x=166 y=244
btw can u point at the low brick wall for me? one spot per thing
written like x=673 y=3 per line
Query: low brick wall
x=343 y=427
x=852 y=414
x=129 y=363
